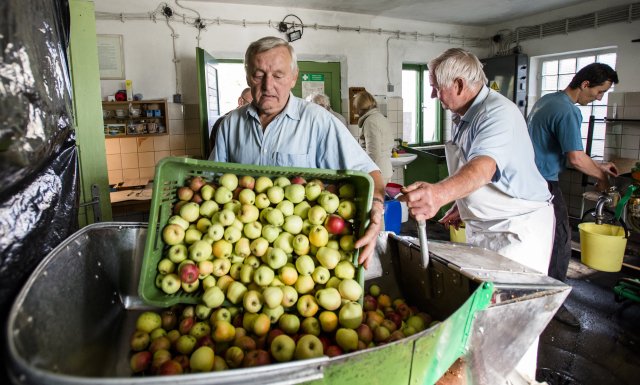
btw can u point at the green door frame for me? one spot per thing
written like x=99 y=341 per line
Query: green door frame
x=208 y=95
x=87 y=106
x=420 y=69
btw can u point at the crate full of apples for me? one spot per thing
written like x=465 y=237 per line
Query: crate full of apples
x=230 y=234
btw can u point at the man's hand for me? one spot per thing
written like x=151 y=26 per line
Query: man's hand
x=421 y=200
x=452 y=218
x=368 y=240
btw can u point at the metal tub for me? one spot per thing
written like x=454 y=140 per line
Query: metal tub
x=71 y=322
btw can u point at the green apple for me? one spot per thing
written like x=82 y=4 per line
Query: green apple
x=300 y=244
x=171 y=283
x=318 y=236
x=259 y=246
x=272 y=296
x=177 y=253
x=173 y=234
x=289 y=323
x=221 y=267
x=316 y=215
x=202 y=225
x=222 y=248
x=308 y=346
x=344 y=270
x=262 y=201
x=185 y=344
x=166 y=266
x=347 y=191
x=328 y=321
x=190 y=211
x=200 y=251
x=190 y=287
x=275 y=194
x=233 y=356
x=333 y=282
x=263 y=275
x=228 y=180
x=289 y=296
x=233 y=205
x=224 y=282
x=252 y=301
x=221 y=314
x=286 y=206
x=148 y=321
x=247 y=196
x=295 y=193
x=232 y=234
x=350 y=315
x=288 y=274
x=329 y=202
x=302 y=209
x=293 y=223
x=347 y=339
x=213 y=297
x=253 y=261
x=262 y=184
x=178 y=220
x=203 y=312
x=284 y=241
x=252 y=230
x=248 y=213
x=347 y=242
x=328 y=257
x=236 y=292
x=350 y=289
x=304 y=284
x=226 y=217
x=270 y=232
x=208 y=282
x=306 y=227
x=311 y=326
x=206 y=192
x=312 y=191
x=281 y=181
x=242 y=248
x=223 y=331
x=283 y=347
x=329 y=298
x=320 y=275
x=276 y=258
x=261 y=325
x=274 y=313
x=192 y=235
x=305 y=265
x=208 y=208
x=347 y=209
x=275 y=217
x=215 y=231
x=307 y=305
x=234 y=271
x=222 y=195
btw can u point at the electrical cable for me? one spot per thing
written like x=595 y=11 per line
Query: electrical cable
x=388 y=78
x=174 y=36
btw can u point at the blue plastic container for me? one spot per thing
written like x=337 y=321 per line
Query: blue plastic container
x=392 y=216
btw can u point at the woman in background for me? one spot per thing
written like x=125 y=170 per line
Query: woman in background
x=375 y=132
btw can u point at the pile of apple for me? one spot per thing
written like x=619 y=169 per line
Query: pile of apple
x=187 y=339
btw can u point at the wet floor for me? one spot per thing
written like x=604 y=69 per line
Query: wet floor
x=606 y=348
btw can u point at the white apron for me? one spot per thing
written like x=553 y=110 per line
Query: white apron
x=518 y=229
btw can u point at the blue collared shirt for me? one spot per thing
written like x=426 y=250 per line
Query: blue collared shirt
x=494 y=126
x=302 y=135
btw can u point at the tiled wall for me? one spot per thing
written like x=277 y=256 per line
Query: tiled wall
x=136 y=157
x=622 y=146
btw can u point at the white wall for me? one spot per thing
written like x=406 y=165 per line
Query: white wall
x=148 y=44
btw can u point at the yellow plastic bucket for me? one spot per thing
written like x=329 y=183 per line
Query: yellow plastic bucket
x=602 y=246
x=458 y=235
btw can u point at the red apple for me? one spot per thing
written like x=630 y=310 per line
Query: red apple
x=369 y=302
x=364 y=333
x=189 y=273
x=185 y=193
x=256 y=358
x=186 y=324
x=333 y=350
x=196 y=183
x=334 y=224
x=169 y=368
x=141 y=361
x=298 y=180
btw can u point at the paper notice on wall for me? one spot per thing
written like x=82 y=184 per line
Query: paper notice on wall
x=311 y=84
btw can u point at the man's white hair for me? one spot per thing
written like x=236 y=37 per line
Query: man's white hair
x=320 y=99
x=457 y=63
x=265 y=44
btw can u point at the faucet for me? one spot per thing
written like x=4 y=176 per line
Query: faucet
x=603 y=201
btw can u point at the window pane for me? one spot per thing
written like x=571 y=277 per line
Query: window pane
x=567 y=66
x=550 y=67
x=608 y=58
x=586 y=112
x=598 y=131
x=564 y=80
x=600 y=112
x=585 y=60
x=597 y=149
x=550 y=83
x=409 y=105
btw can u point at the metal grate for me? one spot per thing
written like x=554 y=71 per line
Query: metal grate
x=620 y=14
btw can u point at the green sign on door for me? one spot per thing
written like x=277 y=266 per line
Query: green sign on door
x=312 y=83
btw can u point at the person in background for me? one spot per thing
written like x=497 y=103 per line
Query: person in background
x=493 y=180
x=244 y=99
x=375 y=133
x=554 y=126
x=279 y=129
x=324 y=101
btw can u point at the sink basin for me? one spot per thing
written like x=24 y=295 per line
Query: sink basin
x=403 y=159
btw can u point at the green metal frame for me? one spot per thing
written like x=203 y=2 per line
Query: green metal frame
x=421 y=69
x=85 y=79
x=204 y=62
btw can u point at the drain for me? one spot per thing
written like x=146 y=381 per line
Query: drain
x=554 y=377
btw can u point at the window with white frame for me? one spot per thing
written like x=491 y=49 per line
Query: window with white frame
x=556 y=74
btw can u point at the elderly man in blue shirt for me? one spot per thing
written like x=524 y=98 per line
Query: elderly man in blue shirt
x=279 y=129
x=493 y=179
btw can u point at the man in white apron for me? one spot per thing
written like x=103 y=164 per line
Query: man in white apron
x=493 y=179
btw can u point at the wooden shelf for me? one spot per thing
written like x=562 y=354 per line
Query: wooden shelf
x=136 y=126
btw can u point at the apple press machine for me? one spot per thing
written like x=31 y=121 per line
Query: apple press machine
x=70 y=323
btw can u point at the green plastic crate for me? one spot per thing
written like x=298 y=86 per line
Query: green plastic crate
x=171 y=173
